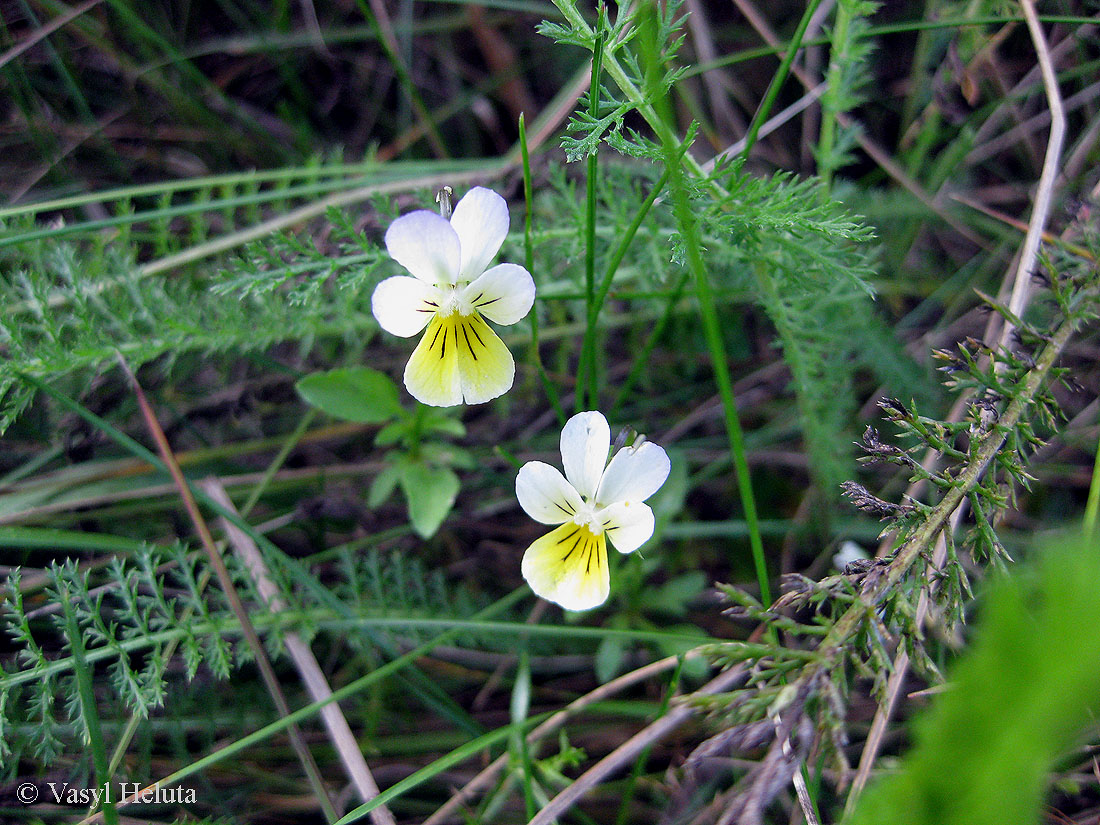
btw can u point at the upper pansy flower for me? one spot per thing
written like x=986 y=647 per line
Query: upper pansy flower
x=460 y=358
x=593 y=500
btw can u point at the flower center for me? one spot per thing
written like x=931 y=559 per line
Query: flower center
x=452 y=300
x=586 y=517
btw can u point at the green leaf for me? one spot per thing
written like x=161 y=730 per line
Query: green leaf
x=382 y=486
x=392 y=433
x=441 y=422
x=430 y=493
x=352 y=393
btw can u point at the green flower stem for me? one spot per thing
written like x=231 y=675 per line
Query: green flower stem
x=623 y=817
x=277 y=462
x=586 y=371
x=712 y=329
x=1093 y=503
x=779 y=78
x=689 y=229
x=642 y=361
x=88 y=711
x=831 y=100
x=386 y=39
x=529 y=260
x=588 y=353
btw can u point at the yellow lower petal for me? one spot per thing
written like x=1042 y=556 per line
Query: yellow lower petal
x=569 y=566
x=459 y=359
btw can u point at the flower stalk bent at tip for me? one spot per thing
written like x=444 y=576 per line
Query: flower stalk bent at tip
x=593 y=502
x=451 y=293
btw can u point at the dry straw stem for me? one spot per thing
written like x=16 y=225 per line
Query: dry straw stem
x=1018 y=303
x=41 y=33
x=232 y=596
x=633 y=747
x=344 y=742
x=490 y=773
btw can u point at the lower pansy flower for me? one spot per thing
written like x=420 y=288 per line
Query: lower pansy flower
x=593 y=502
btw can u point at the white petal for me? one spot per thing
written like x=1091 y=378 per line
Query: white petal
x=628 y=524
x=545 y=495
x=481 y=221
x=585 y=441
x=634 y=474
x=404 y=306
x=426 y=245
x=569 y=566
x=504 y=294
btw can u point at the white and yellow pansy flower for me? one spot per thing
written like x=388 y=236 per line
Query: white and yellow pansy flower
x=594 y=501
x=460 y=359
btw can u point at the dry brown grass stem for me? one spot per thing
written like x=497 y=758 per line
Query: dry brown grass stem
x=343 y=740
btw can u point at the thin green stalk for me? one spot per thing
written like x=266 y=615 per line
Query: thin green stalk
x=369 y=170
x=170 y=648
x=642 y=360
x=1093 y=503
x=277 y=462
x=830 y=101
x=88 y=710
x=520 y=708
x=385 y=40
x=529 y=260
x=623 y=816
x=586 y=372
x=625 y=241
x=779 y=78
x=455 y=757
x=712 y=327
x=647 y=106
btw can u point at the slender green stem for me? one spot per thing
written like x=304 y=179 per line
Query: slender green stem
x=647 y=107
x=520 y=708
x=350 y=689
x=779 y=78
x=831 y=100
x=397 y=63
x=624 y=244
x=277 y=462
x=642 y=360
x=623 y=816
x=712 y=327
x=1093 y=503
x=586 y=372
x=529 y=259
x=86 y=694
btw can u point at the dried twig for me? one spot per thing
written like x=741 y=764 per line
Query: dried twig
x=344 y=742
x=486 y=776
x=632 y=747
x=232 y=596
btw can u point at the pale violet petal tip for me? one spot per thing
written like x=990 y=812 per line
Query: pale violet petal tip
x=426 y=245
x=634 y=474
x=480 y=220
x=585 y=442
